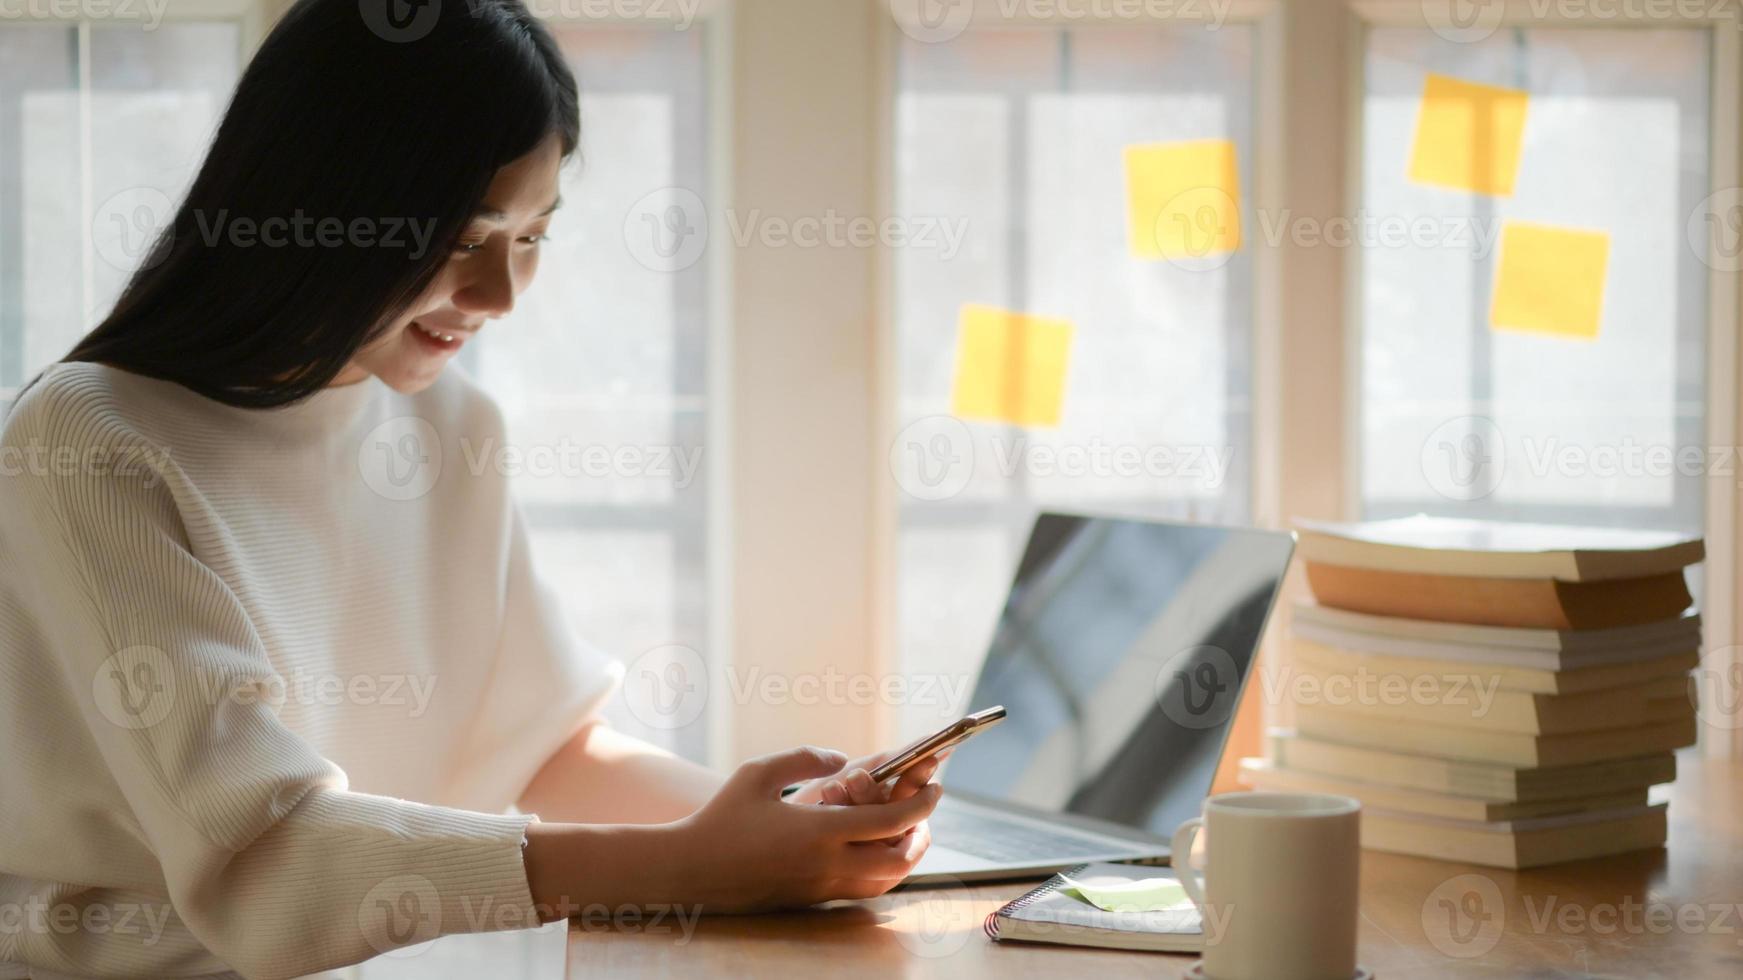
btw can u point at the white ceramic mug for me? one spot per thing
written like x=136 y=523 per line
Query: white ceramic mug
x=1280 y=881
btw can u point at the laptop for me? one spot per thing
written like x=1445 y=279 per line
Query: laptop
x=1120 y=655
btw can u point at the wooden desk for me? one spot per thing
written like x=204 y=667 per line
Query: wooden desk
x=1675 y=913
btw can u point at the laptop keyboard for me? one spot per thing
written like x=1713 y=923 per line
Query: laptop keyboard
x=1008 y=841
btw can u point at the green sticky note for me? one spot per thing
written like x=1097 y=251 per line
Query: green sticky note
x=1148 y=895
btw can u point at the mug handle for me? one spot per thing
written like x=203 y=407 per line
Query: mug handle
x=1181 y=860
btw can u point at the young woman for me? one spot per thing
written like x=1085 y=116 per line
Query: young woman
x=209 y=598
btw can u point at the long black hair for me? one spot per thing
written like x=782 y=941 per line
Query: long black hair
x=380 y=115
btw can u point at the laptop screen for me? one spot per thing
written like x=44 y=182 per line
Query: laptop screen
x=1120 y=654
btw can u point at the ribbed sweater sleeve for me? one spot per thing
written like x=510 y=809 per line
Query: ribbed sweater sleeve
x=268 y=859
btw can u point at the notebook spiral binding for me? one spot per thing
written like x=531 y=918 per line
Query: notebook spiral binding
x=1021 y=902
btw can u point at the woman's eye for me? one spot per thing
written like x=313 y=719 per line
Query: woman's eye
x=468 y=248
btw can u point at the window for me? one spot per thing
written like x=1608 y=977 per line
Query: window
x=101 y=129
x=600 y=370
x=1016 y=137
x=1461 y=418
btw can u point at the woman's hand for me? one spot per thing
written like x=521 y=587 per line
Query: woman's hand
x=752 y=850
x=745 y=850
x=852 y=786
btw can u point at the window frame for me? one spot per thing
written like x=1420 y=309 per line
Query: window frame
x=692 y=516
x=785 y=489
x=713 y=512
x=251 y=18
x=702 y=506
x=1266 y=504
x=1724 y=533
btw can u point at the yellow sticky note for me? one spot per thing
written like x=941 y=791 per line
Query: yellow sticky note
x=1010 y=367
x=1183 y=200
x=1550 y=280
x=1468 y=136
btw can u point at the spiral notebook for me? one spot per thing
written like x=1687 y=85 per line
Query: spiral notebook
x=1054 y=913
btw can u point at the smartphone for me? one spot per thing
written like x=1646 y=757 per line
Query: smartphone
x=952 y=734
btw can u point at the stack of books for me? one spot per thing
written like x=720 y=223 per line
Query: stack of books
x=1497 y=694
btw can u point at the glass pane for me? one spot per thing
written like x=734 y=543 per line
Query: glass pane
x=40 y=286
x=600 y=369
x=1461 y=418
x=620 y=590
x=156 y=101
x=947 y=617
x=67 y=246
x=1014 y=140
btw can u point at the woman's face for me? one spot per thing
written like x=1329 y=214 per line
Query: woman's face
x=493 y=260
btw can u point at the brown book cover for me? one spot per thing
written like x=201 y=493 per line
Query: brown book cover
x=1260 y=774
x=1489 y=781
x=1527 y=603
x=1499 y=748
x=1498 y=549
x=1474 y=701
x=1505 y=677
x=1517 y=843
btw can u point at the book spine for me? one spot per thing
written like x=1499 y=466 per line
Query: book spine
x=1022 y=902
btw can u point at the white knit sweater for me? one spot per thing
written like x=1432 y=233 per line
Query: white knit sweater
x=235 y=645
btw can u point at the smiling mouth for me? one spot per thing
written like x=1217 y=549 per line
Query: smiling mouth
x=438 y=335
x=438 y=341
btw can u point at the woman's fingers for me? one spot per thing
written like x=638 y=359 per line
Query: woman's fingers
x=881 y=861
x=766 y=775
x=861 y=790
x=874 y=760
x=821 y=791
x=854 y=789
x=849 y=840
x=871 y=869
x=871 y=821
x=911 y=781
